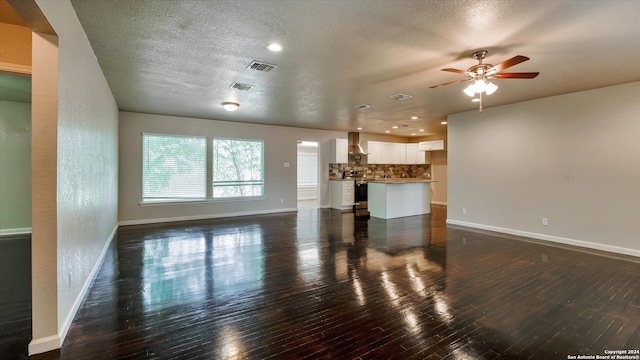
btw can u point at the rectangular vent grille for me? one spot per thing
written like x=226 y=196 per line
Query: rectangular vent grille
x=261 y=66
x=240 y=86
x=365 y=106
x=400 y=97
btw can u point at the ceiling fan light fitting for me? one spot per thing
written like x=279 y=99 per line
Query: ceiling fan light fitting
x=479 y=86
x=491 y=88
x=469 y=90
x=230 y=106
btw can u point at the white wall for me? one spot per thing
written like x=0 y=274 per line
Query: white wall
x=86 y=179
x=280 y=146
x=574 y=159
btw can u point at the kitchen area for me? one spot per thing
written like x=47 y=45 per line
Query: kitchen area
x=383 y=179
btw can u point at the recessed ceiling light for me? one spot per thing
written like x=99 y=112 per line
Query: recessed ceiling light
x=230 y=106
x=359 y=128
x=387 y=131
x=274 y=47
x=414 y=118
x=421 y=130
x=413 y=134
x=395 y=126
x=444 y=123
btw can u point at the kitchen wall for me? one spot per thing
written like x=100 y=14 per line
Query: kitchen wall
x=573 y=159
x=379 y=171
x=280 y=146
x=15 y=167
x=439 y=173
x=74 y=172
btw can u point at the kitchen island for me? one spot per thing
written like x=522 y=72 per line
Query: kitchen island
x=394 y=198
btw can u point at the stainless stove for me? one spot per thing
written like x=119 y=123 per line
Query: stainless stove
x=360 y=207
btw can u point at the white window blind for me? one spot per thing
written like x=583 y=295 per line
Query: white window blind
x=173 y=167
x=238 y=168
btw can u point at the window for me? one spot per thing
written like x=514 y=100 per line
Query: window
x=173 y=167
x=238 y=168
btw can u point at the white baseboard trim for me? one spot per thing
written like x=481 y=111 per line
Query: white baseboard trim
x=42 y=345
x=50 y=343
x=203 y=217
x=85 y=287
x=439 y=203
x=15 y=231
x=551 y=238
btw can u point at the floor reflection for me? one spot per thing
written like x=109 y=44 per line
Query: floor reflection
x=182 y=270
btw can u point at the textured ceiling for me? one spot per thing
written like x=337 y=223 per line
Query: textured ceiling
x=179 y=57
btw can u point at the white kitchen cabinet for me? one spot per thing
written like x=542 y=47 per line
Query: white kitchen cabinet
x=339 y=151
x=381 y=152
x=391 y=153
x=342 y=194
x=431 y=145
x=374 y=149
x=414 y=155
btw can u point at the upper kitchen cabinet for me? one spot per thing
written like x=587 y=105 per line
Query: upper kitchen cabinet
x=381 y=152
x=431 y=145
x=339 y=151
x=414 y=155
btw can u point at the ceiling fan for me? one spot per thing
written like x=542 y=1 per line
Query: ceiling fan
x=481 y=74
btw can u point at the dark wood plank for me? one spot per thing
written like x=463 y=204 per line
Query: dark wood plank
x=321 y=284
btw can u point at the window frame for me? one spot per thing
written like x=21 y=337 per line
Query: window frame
x=262 y=172
x=176 y=200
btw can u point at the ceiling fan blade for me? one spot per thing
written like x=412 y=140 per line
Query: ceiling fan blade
x=457 y=71
x=450 y=82
x=507 y=64
x=520 y=75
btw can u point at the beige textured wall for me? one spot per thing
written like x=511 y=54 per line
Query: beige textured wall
x=81 y=177
x=439 y=174
x=15 y=167
x=280 y=183
x=44 y=221
x=574 y=159
x=15 y=44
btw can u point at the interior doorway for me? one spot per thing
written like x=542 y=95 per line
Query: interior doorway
x=307 y=185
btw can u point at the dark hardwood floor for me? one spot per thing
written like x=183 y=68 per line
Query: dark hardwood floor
x=15 y=295
x=320 y=284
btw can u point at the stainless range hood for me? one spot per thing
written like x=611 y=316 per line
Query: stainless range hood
x=354 y=144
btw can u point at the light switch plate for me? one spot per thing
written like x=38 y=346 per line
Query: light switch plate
x=286 y=164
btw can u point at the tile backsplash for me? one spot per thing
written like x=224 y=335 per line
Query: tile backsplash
x=375 y=171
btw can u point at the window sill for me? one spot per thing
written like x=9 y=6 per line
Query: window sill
x=202 y=201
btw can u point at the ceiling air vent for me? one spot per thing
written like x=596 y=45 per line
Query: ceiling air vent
x=261 y=66
x=240 y=86
x=400 y=97
x=364 y=106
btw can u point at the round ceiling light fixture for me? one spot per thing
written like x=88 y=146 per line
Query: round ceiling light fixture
x=230 y=106
x=275 y=47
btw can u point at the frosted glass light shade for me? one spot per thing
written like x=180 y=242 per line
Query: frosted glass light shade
x=491 y=88
x=230 y=106
x=479 y=86
x=469 y=90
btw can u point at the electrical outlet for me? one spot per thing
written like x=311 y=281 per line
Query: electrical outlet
x=545 y=222
x=464 y=211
